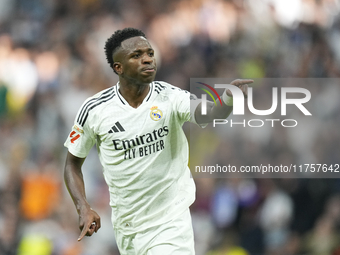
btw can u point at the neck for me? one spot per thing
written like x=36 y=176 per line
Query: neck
x=134 y=94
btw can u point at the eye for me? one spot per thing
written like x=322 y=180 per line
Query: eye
x=137 y=55
x=151 y=54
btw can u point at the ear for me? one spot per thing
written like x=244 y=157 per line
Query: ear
x=117 y=67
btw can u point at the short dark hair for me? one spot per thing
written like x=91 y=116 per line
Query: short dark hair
x=114 y=42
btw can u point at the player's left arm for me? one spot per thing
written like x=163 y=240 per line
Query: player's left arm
x=221 y=111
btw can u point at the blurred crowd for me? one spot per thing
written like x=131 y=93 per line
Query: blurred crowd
x=52 y=59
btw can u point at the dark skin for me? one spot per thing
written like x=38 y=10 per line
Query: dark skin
x=136 y=67
x=89 y=220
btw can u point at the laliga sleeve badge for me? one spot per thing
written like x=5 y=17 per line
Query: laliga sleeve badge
x=155 y=114
x=74 y=135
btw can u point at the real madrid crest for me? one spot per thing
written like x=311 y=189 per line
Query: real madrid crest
x=155 y=114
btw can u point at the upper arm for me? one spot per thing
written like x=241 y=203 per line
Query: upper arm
x=203 y=119
x=72 y=166
x=82 y=137
x=213 y=112
x=73 y=161
x=185 y=104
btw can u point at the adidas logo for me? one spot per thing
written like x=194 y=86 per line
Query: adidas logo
x=117 y=127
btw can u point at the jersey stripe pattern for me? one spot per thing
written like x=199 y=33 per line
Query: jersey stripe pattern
x=84 y=112
x=143 y=151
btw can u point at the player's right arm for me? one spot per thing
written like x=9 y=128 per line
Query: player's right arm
x=89 y=220
x=79 y=143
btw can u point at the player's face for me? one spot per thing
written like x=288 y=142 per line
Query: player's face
x=138 y=62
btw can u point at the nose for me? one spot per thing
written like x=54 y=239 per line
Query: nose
x=147 y=59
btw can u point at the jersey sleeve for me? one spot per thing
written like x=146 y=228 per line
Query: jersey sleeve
x=81 y=138
x=185 y=105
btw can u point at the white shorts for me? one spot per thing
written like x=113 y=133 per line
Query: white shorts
x=171 y=238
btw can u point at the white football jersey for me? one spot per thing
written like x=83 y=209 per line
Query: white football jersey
x=143 y=151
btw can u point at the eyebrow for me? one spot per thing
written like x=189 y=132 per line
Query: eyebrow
x=138 y=51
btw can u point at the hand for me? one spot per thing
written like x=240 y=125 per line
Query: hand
x=89 y=222
x=242 y=84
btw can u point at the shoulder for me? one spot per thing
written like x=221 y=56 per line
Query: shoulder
x=101 y=95
x=92 y=103
x=161 y=86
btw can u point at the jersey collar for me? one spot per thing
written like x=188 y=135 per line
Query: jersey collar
x=124 y=102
